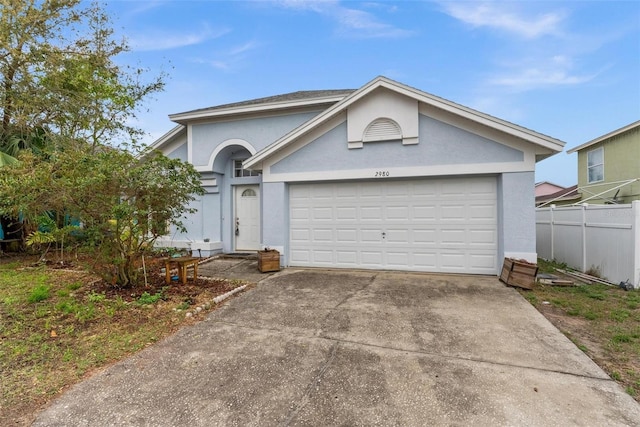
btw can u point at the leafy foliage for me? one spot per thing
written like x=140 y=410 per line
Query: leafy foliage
x=66 y=113
x=124 y=203
x=58 y=75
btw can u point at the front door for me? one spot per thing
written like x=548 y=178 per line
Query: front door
x=247 y=218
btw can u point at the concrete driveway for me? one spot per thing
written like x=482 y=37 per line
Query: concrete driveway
x=317 y=348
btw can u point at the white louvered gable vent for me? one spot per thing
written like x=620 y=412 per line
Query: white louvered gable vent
x=382 y=129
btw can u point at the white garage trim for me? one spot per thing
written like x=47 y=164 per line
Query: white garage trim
x=435 y=225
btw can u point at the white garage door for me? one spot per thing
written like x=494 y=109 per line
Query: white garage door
x=438 y=225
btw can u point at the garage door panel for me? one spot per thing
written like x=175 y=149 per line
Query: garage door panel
x=397 y=236
x=481 y=212
x=424 y=213
x=452 y=260
x=346 y=236
x=453 y=236
x=302 y=235
x=482 y=237
x=399 y=259
x=425 y=261
x=479 y=261
x=346 y=213
x=425 y=236
x=300 y=213
x=319 y=214
x=453 y=212
x=395 y=213
x=440 y=225
x=347 y=257
x=371 y=258
x=323 y=235
x=371 y=235
x=300 y=257
x=371 y=213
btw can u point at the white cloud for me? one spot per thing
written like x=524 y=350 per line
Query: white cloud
x=360 y=23
x=501 y=16
x=171 y=39
x=545 y=72
x=351 y=22
x=230 y=58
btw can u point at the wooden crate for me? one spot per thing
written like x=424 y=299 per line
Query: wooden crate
x=519 y=273
x=268 y=261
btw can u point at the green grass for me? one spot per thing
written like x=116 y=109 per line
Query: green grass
x=610 y=318
x=54 y=330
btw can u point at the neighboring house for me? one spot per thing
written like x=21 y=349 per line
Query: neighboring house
x=545 y=188
x=382 y=177
x=609 y=167
x=566 y=196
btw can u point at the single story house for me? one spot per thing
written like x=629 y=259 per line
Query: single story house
x=382 y=177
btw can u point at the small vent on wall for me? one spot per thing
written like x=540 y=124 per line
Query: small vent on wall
x=382 y=129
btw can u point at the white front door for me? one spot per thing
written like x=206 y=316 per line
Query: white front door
x=247 y=218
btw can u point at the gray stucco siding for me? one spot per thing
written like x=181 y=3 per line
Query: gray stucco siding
x=516 y=213
x=179 y=153
x=259 y=132
x=439 y=144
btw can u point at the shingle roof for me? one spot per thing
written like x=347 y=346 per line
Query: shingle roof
x=293 y=96
x=569 y=193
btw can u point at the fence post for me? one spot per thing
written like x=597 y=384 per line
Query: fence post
x=635 y=209
x=553 y=226
x=584 y=236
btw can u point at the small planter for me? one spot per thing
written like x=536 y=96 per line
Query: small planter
x=519 y=273
x=268 y=260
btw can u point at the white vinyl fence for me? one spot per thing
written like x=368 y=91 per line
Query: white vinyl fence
x=602 y=237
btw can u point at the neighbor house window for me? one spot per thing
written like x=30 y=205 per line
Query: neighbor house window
x=595 y=165
x=238 y=172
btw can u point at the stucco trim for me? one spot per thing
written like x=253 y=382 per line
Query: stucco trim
x=527 y=256
x=229 y=142
x=401 y=172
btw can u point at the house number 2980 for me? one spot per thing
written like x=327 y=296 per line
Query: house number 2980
x=381 y=174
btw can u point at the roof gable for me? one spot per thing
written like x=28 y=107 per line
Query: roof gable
x=606 y=136
x=547 y=144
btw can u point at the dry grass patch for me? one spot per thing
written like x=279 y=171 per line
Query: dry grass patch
x=56 y=326
x=603 y=321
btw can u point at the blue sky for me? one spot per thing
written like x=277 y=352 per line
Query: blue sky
x=568 y=69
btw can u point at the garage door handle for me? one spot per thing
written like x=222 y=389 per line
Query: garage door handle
x=384 y=235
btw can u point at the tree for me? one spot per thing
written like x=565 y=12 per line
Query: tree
x=66 y=109
x=58 y=75
x=123 y=203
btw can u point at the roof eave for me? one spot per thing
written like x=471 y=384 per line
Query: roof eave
x=158 y=143
x=248 y=109
x=604 y=137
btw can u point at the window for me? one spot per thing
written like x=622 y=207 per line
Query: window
x=238 y=172
x=248 y=193
x=595 y=165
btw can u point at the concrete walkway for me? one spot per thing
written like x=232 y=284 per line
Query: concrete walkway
x=318 y=348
